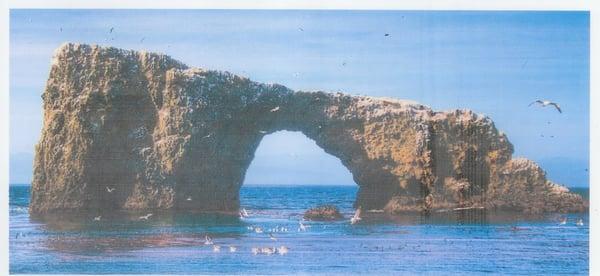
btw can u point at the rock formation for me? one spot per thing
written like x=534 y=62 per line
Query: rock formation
x=167 y=136
x=322 y=213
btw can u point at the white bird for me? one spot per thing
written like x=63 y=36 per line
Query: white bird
x=244 y=213
x=282 y=250
x=110 y=190
x=232 y=248
x=146 y=217
x=97 y=218
x=563 y=221
x=207 y=240
x=189 y=198
x=275 y=109
x=216 y=248
x=262 y=131
x=207 y=136
x=258 y=230
x=579 y=222
x=356 y=218
x=255 y=250
x=545 y=103
x=272 y=237
x=267 y=250
x=302 y=227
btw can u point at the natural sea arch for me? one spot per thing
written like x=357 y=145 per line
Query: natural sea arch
x=171 y=137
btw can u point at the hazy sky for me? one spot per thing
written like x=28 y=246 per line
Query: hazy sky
x=494 y=63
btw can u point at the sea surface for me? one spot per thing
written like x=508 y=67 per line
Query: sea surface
x=174 y=244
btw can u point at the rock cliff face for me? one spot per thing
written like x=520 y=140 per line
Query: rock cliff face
x=167 y=136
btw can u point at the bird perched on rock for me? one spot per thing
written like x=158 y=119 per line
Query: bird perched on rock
x=545 y=103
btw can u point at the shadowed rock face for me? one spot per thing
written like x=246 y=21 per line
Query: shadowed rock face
x=167 y=136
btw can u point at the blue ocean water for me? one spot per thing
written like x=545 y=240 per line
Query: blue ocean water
x=174 y=243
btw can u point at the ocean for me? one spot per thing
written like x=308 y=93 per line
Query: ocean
x=174 y=243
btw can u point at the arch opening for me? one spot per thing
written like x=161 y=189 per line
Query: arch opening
x=297 y=173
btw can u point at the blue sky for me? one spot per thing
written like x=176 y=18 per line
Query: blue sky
x=494 y=63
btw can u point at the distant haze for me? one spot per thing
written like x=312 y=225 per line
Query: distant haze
x=494 y=63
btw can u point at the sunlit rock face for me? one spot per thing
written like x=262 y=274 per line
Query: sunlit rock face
x=167 y=136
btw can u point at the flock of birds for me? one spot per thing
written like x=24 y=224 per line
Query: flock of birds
x=268 y=250
x=112 y=29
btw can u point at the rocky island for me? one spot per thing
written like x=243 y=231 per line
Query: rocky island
x=127 y=130
x=323 y=213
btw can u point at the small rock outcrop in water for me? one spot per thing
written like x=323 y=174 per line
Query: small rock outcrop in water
x=325 y=212
x=156 y=133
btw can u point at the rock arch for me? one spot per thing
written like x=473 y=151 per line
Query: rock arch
x=160 y=132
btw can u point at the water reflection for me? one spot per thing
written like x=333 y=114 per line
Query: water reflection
x=118 y=221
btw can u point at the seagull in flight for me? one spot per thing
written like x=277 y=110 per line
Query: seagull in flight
x=545 y=103
x=110 y=190
x=146 y=217
x=272 y=237
x=189 y=198
x=232 y=248
x=386 y=34
x=97 y=218
x=275 y=109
